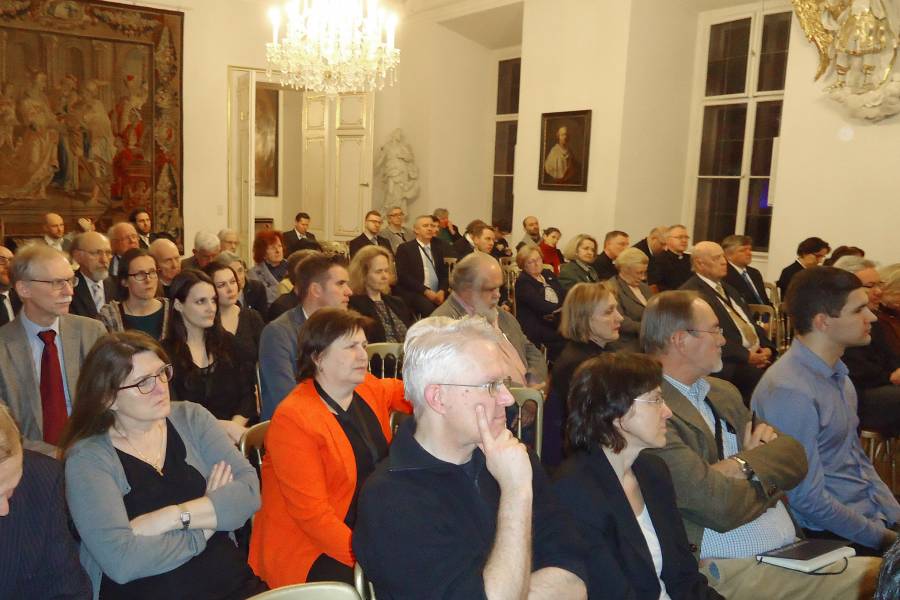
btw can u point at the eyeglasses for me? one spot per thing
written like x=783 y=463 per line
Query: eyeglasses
x=58 y=284
x=397 y=215
x=144 y=275
x=148 y=384
x=97 y=253
x=373 y=221
x=714 y=331
x=493 y=388
x=656 y=399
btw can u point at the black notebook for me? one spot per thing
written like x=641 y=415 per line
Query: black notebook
x=808 y=555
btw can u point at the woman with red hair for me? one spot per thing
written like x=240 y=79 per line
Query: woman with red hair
x=270 y=267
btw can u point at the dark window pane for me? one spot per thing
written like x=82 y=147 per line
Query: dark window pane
x=768 y=125
x=759 y=214
x=505 y=147
x=508 y=86
x=726 y=66
x=722 y=147
x=716 y=208
x=502 y=210
x=773 y=59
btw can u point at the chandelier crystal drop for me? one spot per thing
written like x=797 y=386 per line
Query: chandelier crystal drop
x=333 y=46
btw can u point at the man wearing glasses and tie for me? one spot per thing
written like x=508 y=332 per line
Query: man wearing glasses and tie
x=95 y=287
x=42 y=349
x=460 y=508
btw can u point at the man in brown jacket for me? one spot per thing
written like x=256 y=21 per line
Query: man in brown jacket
x=730 y=470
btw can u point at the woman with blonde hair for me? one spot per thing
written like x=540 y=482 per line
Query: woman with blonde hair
x=539 y=298
x=580 y=252
x=632 y=293
x=371 y=276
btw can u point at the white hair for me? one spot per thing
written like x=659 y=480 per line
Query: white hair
x=225 y=232
x=204 y=240
x=854 y=264
x=435 y=352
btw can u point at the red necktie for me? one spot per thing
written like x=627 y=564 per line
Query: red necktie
x=53 y=396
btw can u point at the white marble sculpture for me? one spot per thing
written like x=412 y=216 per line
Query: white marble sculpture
x=397 y=171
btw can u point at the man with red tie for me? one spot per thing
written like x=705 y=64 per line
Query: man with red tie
x=42 y=349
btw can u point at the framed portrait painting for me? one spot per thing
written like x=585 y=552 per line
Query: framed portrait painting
x=565 y=142
x=266 y=140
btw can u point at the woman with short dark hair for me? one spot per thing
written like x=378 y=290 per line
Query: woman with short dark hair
x=270 y=266
x=141 y=309
x=622 y=497
x=323 y=442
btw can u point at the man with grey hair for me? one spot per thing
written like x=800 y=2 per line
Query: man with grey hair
x=95 y=287
x=674 y=263
x=396 y=232
x=741 y=276
x=206 y=248
x=476 y=283
x=460 y=508
x=875 y=368
x=43 y=348
x=168 y=262
x=229 y=240
x=729 y=469
x=122 y=238
x=447 y=231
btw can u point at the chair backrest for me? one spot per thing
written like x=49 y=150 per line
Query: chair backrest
x=451 y=263
x=390 y=358
x=396 y=418
x=764 y=316
x=522 y=397
x=773 y=293
x=507 y=261
x=322 y=590
x=363 y=586
x=785 y=329
x=253 y=442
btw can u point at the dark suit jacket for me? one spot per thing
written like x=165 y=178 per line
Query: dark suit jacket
x=653 y=265
x=364 y=305
x=871 y=366
x=360 y=241
x=632 y=312
x=604 y=266
x=531 y=308
x=673 y=270
x=619 y=561
x=83 y=302
x=733 y=350
x=462 y=248
x=282 y=304
x=570 y=359
x=292 y=243
x=411 y=271
x=734 y=279
x=255 y=296
x=16 y=303
x=786 y=275
x=38 y=555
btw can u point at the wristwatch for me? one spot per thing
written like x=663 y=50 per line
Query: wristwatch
x=746 y=469
x=185 y=517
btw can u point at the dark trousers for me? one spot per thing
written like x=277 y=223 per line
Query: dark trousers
x=879 y=409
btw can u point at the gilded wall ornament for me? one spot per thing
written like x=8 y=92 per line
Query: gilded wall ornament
x=857 y=42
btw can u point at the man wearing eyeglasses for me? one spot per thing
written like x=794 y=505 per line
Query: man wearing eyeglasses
x=95 y=288
x=396 y=232
x=371 y=235
x=730 y=470
x=674 y=263
x=460 y=508
x=9 y=301
x=42 y=349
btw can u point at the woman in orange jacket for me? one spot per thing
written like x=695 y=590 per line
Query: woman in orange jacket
x=324 y=440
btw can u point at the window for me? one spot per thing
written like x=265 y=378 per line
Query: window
x=507 y=126
x=746 y=61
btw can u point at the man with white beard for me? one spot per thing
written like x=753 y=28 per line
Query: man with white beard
x=476 y=281
x=95 y=287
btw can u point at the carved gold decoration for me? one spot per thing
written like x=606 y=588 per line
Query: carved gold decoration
x=857 y=42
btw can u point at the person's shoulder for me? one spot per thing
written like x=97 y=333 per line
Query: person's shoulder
x=40 y=466
x=82 y=323
x=652 y=465
x=724 y=390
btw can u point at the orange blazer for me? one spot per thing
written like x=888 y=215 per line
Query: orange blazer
x=308 y=478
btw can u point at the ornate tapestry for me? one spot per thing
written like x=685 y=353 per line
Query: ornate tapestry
x=90 y=113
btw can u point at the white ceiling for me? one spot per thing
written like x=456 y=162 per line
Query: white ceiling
x=499 y=27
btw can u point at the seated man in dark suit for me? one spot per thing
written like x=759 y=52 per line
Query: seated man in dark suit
x=613 y=243
x=741 y=276
x=95 y=287
x=140 y=218
x=422 y=275
x=748 y=350
x=674 y=263
x=479 y=237
x=300 y=238
x=653 y=245
x=38 y=556
x=370 y=235
x=810 y=253
x=9 y=301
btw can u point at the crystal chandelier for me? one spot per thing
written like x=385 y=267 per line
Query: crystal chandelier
x=333 y=46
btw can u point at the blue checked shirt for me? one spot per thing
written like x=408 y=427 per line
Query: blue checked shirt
x=772 y=529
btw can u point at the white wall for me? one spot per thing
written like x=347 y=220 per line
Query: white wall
x=444 y=106
x=838 y=178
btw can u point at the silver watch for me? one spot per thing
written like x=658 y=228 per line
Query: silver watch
x=185 y=520
x=746 y=469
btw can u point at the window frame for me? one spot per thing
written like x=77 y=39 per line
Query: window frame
x=514 y=53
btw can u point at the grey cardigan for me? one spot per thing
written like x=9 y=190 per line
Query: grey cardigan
x=96 y=484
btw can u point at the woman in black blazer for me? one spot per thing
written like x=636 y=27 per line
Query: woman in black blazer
x=371 y=275
x=623 y=499
x=539 y=299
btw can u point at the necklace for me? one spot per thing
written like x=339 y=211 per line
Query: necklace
x=156 y=464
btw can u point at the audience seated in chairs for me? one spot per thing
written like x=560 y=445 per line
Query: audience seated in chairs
x=324 y=440
x=269 y=267
x=549 y=252
x=140 y=309
x=810 y=253
x=371 y=274
x=614 y=242
x=539 y=298
x=622 y=498
x=632 y=293
x=207 y=366
x=154 y=487
x=460 y=508
x=300 y=237
x=245 y=324
x=581 y=252
x=729 y=474
x=809 y=395
x=674 y=263
x=422 y=274
x=38 y=555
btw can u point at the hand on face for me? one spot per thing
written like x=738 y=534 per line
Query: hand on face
x=506 y=457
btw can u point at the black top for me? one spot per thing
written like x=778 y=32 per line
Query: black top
x=786 y=275
x=281 y=305
x=400 y=317
x=362 y=240
x=871 y=366
x=570 y=359
x=218 y=572
x=255 y=297
x=246 y=337
x=151 y=324
x=426 y=527
x=619 y=563
x=534 y=312
x=653 y=265
x=364 y=433
x=604 y=266
x=673 y=270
